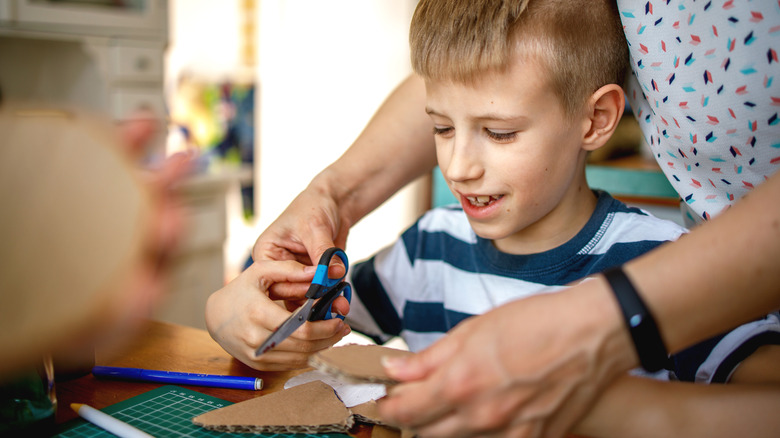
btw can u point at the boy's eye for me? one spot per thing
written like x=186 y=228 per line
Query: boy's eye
x=501 y=136
x=441 y=130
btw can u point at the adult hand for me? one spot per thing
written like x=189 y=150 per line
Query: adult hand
x=529 y=368
x=368 y=173
x=241 y=332
x=312 y=223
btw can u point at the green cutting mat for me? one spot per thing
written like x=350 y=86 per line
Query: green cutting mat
x=167 y=412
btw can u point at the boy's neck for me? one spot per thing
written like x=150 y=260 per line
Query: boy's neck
x=563 y=224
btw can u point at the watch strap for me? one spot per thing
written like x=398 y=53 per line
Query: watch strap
x=640 y=322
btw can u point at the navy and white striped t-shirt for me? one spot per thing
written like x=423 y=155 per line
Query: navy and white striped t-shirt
x=440 y=272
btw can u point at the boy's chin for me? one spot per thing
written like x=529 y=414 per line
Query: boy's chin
x=486 y=231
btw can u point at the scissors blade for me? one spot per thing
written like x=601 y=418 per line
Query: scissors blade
x=298 y=317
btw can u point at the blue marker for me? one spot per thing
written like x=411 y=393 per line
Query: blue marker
x=172 y=377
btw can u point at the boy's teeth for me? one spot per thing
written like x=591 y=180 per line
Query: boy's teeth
x=481 y=201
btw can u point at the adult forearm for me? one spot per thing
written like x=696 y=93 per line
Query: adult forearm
x=395 y=148
x=682 y=409
x=725 y=272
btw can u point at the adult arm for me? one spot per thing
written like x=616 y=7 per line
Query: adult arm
x=395 y=147
x=639 y=407
x=534 y=366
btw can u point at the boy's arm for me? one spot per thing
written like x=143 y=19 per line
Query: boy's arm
x=641 y=407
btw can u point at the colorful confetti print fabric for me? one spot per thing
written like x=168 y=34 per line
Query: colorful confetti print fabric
x=710 y=73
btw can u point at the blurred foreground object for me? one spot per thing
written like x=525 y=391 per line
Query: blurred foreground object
x=75 y=224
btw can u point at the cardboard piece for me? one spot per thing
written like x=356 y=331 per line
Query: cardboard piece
x=385 y=432
x=309 y=408
x=356 y=363
x=351 y=394
x=368 y=413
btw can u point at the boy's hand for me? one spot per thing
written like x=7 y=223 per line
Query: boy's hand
x=241 y=315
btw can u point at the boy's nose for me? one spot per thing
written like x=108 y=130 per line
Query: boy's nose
x=464 y=163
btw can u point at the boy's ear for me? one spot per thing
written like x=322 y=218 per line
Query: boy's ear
x=605 y=108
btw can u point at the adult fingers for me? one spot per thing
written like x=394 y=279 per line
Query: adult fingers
x=422 y=364
x=319 y=237
x=271 y=272
x=419 y=401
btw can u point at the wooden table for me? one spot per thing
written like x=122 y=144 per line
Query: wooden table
x=169 y=347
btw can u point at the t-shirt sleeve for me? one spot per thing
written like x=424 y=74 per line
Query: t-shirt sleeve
x=716 y=359
x=379 y=284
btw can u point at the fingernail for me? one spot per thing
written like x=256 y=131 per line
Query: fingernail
x=392 y=364
x=309 y=269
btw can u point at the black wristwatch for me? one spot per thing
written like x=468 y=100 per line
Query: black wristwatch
x=640 y=322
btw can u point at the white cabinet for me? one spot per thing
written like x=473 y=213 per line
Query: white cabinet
x=111 y=61
x=142 y=18
x=98 y=57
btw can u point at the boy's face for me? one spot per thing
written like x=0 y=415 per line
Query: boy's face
x=512 y=158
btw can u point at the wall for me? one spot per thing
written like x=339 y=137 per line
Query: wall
x=324 y=69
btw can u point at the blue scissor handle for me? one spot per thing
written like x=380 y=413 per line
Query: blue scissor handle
x=321 y=283
x=322 y=310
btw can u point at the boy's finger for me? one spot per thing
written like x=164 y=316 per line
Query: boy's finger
x=340 y=306
x=288 y=290
x=320 y=330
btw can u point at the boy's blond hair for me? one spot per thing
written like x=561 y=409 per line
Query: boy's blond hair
x=580 y=43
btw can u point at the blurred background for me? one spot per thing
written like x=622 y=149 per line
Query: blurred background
x=268 y=91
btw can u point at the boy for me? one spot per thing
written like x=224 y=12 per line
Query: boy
x=519 y=94
x=518 y=97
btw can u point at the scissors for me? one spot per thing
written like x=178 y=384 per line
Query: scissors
x=321 y=293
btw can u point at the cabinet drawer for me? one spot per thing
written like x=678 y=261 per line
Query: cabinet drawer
x=205 y=224
x=137 y=63
x=126 y=101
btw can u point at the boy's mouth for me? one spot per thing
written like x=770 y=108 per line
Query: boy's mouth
x=482 y=201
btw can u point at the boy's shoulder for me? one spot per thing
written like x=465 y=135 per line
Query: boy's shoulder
x=448 y=219
x=636 y=221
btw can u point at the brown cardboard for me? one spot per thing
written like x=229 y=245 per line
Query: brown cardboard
x=367 y=413
x=385 y=432
x=309 y=408
x=356 y=363
x=73 y=222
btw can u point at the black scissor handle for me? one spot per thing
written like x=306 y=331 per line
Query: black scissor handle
x=322 y=309
x=321 y=283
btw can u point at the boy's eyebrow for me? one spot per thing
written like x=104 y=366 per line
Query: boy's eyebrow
x=486 y=116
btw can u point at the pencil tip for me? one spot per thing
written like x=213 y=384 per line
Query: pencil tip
x=76 y=406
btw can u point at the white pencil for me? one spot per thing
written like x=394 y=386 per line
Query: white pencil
x=107 y=422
